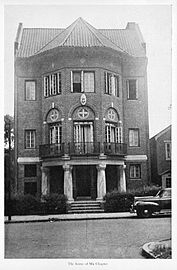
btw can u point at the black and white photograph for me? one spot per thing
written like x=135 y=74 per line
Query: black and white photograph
x=88 y=133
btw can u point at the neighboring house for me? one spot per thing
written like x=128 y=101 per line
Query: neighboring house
x=81 y=110
x=160 y=150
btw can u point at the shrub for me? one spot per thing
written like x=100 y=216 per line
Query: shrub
x=117 y=202
x=22 y=205
x=54 y=204
x=120 y=202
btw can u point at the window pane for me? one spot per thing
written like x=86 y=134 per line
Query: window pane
x=30 y=138
x=30 y=90
x=133 y=137
x=132 y=89
x=89 y=82
x=30 y=170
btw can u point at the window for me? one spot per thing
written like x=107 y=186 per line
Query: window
x=134 y=137
x=55 y=131
x=52 y=84
x=82 y=81
x=30 y=188
x=111 y=83
x=30 y=138
x=113 y=134
x=30 y=170
x=132 y=91
x=168 y=150
x=30 y=90
x=168 y=182
x=135 y=171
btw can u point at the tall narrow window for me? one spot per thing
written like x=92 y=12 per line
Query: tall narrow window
x=132 y=91
x=111 y=83
x=30 y=90
x=30 y=139
x=168 y=150
x=55 y=133
x=135 y=171
x=113 y=134
x=52 y=84
x=134 y=137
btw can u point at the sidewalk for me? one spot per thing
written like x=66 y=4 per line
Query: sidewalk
x=51 y=218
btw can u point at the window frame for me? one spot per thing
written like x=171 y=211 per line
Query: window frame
x=30 y=130
x=54 y=125
x=108 y=88
x=128 y=89
x=35 y=83
x=135 y=177
x=134 y=129
x=82 y=72
x=167 y=157
x=26 y=175
x=49 y=80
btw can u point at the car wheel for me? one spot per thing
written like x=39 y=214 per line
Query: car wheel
x=144 y=212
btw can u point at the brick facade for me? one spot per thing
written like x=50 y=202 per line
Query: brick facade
x=32 y=115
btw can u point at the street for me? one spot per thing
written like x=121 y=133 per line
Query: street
x=104 y=239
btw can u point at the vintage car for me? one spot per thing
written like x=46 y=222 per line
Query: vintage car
x=150 y=205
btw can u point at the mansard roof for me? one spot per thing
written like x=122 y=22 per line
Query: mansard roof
x=80 y=34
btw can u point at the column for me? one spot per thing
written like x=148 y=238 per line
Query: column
x=122 y=179
x=45 y=181
x=101 y=181
x=68 y=185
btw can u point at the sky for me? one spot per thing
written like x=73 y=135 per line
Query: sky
x=154 y=22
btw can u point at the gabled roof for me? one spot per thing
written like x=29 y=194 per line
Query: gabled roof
x=79 y=34
x=161 y=133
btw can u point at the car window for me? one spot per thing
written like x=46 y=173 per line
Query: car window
x=164 y=193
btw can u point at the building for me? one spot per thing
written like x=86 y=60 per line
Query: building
x=81 y=110
x=160 y=151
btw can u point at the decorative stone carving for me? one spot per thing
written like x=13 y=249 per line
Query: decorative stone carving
x=83 y=99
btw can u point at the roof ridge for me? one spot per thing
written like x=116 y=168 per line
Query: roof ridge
x=90 y=26
x=73 y=25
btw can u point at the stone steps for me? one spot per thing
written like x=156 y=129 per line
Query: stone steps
x=85 y=207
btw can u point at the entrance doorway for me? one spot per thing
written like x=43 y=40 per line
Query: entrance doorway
x=84 y=181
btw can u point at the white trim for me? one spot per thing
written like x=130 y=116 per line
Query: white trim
x=28 y=159
x=136 y=157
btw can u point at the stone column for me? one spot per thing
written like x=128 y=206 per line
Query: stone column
x=101 y=181
x=122 y=179
x=45 y=181
x=68 y=182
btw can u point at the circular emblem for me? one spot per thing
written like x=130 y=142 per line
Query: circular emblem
x=54 y=115
x=83 y=99
x=83 y=113
x=111 y=114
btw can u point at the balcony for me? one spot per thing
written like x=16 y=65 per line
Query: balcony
x=86 y=148
x=81 y=149
x=115 y=149
x=51 y=150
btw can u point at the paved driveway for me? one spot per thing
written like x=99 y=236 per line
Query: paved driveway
x=110 y=238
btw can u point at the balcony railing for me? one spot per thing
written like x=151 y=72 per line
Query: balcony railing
x=115 y=148
x=84 y=148
x=81 y=148
x=51 y=150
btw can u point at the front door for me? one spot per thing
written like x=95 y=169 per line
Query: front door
x=83 y=181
